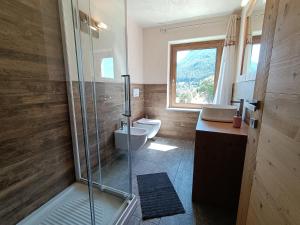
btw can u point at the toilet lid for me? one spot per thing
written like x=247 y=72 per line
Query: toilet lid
x=148 y=121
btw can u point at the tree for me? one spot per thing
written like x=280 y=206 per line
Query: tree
x=206 y=88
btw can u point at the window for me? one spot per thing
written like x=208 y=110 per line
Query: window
x=254 y=54
x=251 y=57
x=194 y=72
x=107 y=68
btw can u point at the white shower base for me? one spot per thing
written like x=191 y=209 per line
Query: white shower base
x=71 y=207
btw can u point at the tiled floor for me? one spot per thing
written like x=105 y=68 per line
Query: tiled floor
x=176 y=158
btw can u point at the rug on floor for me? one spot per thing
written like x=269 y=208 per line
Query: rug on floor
x=158 y=196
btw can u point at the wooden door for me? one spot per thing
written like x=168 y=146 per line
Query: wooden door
x=275 y=193
x=270 y=18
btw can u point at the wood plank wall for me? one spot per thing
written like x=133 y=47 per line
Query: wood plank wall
x=175 y=124
x=36 y=159
x=275 y=196
x=262 y=74
x=110 y=108
x=138 y=103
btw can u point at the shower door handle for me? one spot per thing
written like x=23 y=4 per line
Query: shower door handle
x=127 y=108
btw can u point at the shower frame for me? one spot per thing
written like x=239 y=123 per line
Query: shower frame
x=70 y=27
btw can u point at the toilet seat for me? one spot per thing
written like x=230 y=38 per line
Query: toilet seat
x=148 y=121
x=151 y=126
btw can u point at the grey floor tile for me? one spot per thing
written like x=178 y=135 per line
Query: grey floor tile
x=179 y=219
x=146 y=167
x=138 y=221
x=176 y=157
x=138 y=213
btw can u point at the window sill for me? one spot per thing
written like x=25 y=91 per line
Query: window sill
x=183 y=109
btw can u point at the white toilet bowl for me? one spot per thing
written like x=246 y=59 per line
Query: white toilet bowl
x=151 y=126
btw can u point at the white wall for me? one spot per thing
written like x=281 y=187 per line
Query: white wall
x=156 y=44
x=135 y=51
x=111 y=42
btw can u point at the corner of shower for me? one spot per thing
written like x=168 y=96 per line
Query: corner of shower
x=102 y=172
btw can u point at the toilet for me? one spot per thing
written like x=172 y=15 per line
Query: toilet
x=152 y=126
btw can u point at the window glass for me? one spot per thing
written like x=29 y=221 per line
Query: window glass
x=195 y=76
x=107 y=68
x=254 y=58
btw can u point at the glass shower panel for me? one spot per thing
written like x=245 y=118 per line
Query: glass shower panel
x=87 y=137
x=98 y=96
x=108 y=26
x=103 y=59
x=86 y=61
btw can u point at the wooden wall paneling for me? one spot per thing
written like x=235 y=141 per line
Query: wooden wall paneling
x=269 y=26
x=176 y=124
x=36 y=158
x=262 y=201
x=110 y=108
x=138 y=103
x=277 y=175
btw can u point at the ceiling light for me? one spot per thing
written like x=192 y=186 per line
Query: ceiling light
x=102 y=25
x=244 y=3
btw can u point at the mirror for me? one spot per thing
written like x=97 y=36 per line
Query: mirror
x=253 y=22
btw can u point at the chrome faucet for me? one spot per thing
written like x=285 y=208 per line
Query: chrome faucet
x=123 y=124
x=241 y=102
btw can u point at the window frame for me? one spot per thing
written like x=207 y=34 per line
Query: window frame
x=174 y=48
x=256 y=39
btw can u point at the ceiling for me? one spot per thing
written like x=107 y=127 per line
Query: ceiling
x=156 y=12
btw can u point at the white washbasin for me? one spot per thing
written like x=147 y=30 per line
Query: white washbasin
x=138 y=138
x=221 y=113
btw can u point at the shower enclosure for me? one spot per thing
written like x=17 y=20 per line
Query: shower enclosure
x=38 y=163
x=94 y=36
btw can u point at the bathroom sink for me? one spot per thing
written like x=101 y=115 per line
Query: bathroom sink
x=138 y=138
x=221 y=113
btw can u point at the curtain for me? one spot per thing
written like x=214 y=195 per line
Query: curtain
x=228 y=65
x=248 y=47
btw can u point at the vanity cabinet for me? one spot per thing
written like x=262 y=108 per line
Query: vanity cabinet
x=218 y=163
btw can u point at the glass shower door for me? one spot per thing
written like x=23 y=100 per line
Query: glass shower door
x=108 y=38
x=104 y=99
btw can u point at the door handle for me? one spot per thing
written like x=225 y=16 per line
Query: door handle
x=253 y=123
x=127 y=108
x=253 y=105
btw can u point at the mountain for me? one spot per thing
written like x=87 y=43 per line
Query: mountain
x=196 y=65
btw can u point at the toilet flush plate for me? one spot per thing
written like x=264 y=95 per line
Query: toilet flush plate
x=136 y=92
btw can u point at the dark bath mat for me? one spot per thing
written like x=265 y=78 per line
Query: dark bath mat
x=158 y=196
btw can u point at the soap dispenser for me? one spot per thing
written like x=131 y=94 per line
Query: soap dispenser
x=237 y=120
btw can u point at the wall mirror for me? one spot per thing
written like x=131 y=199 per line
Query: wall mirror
x=253 y=23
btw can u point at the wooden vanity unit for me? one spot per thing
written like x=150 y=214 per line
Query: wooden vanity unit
x=218 y=163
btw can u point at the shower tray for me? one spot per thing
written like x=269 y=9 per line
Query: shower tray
x=71 y=207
